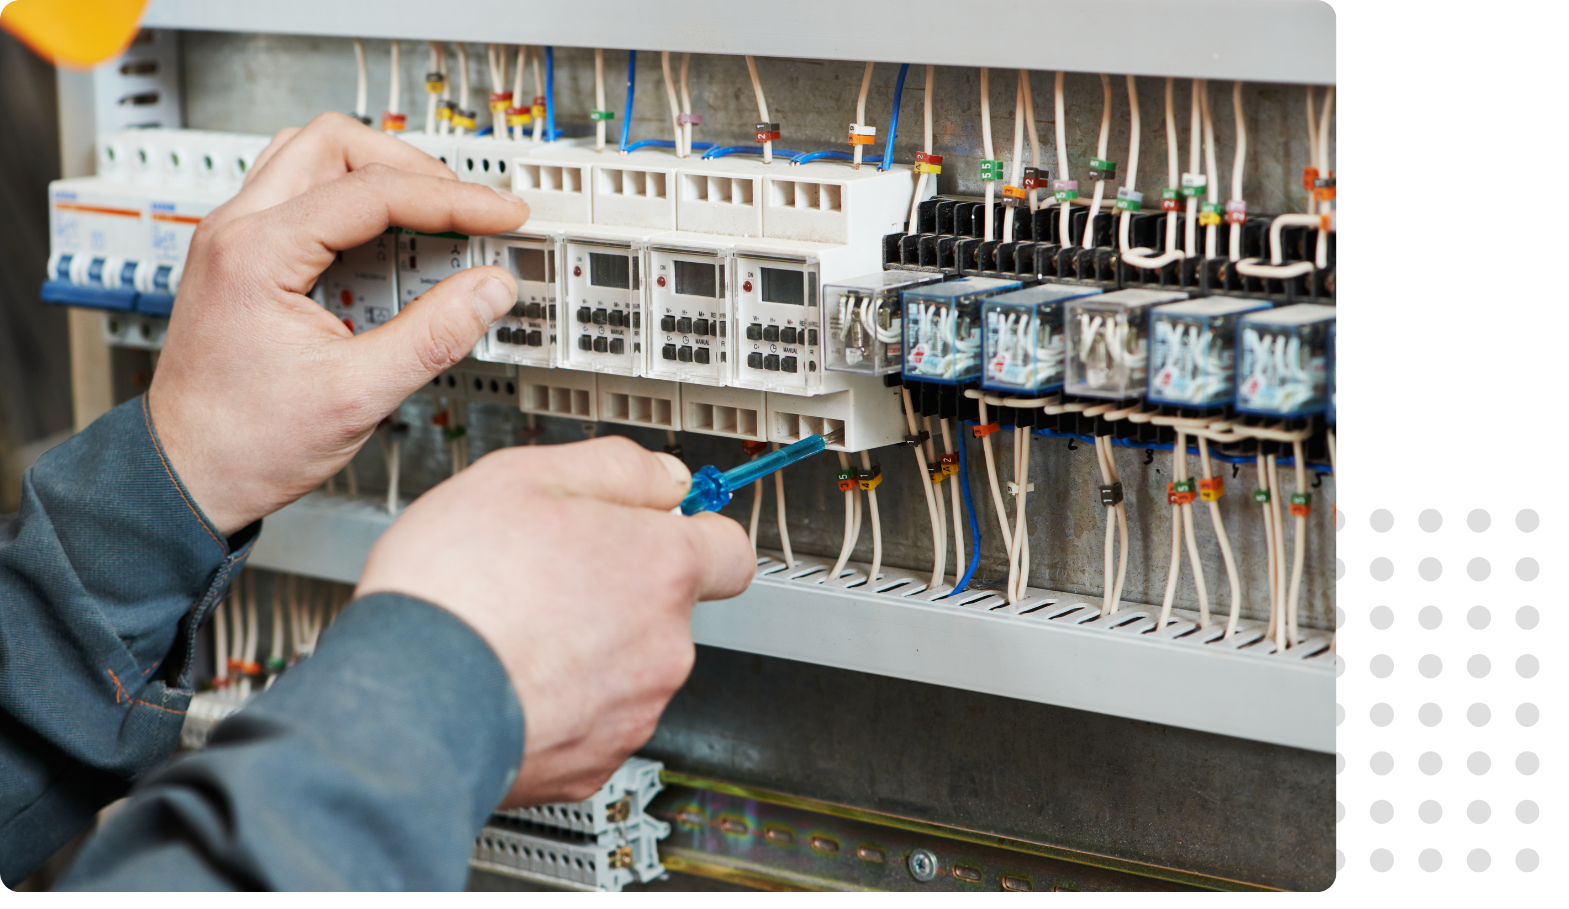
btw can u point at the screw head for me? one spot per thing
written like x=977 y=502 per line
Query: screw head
x=922 y=864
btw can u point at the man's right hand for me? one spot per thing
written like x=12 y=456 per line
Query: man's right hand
x=567 y=561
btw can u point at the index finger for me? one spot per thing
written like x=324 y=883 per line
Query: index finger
x=328 y=147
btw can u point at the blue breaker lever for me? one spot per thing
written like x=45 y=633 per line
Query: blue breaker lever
x=712 y=489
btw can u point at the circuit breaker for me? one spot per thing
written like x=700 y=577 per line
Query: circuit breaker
x=526 y=335
x=689 y=309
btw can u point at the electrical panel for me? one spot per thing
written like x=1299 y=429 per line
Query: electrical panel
x=1193 y=351
x=1023 y=349
x=1284 y=360
x=1108 y=343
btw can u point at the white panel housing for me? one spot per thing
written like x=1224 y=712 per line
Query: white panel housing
x=738 y=413
x=639 y=401
x=868 y=412
x=558 y=393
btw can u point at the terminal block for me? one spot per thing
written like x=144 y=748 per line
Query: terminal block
x=1193 y=351
x=1023 y=349
x=601 y=315
x=689 y=308
x=360 y=287
x=526 y=335
x=1285 y=360
x=1108 y=343
x=477 y=382
x=942 y=329
x=624 y=797
x=863 y=321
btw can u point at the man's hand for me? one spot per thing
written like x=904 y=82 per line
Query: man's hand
x=260 y=394
x=567 y=561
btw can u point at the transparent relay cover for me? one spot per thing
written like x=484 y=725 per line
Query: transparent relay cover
x=1108 y=348
x=1023 y=343
x=942 y=329
x=1283 y=368
x=864 y=321
x=1193 y=351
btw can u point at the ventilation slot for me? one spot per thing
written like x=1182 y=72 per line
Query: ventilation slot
x=639 y=409
x=550 y=178
x=790 y=427
x=722 y=420
x=553 y=399
x=695 y=188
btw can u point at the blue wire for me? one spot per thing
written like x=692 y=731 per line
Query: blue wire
x=661 y=143
x=626 y=118
x=485 y=132
x=550 y=95
x=969 y=506
x=744 y=150
x=893 y=119
x=816 y=155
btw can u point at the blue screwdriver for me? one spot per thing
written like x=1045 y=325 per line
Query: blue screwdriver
x=712 y=488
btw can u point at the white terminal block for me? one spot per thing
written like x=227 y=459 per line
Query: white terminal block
x=489 y=160
x=557 y=184
x=636 y=190
x=688 y=335
x=526 y=335
x=92 y=221
x=442 y=148
x=779 y=342
x=867 y=413
x=558 y=393
x=601 y=312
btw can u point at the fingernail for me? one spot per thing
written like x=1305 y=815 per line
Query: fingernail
x=493 y=299
x=515 y=200
x=678 y=471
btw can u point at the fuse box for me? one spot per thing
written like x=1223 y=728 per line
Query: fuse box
x=1284 y=356
x=602 y=308
x=527 y=334
x=689 y=308
x=360 y=287
x=779 y=343
x=1108 y=342
x=1023 y=348
x=942 y=329
x=863 y=321
x=1193 y=351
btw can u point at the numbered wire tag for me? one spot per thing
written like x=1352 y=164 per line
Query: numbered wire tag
x=871 y=479
x=463 y=118
x=1261 y=496
x=1128 y=199
x=1013 y=195
x=1064 y=190
x=982 y=431
x=991 y=171
x=500 y=101
x=753 y=449
x=1236 y=212
x=848 y=479
x=1309 y=177
x=1179 y=493
x=1209 y=214
x=1035 y=178
x=435 y=83
x=689 y=119
x=1212 y=489
x=1324 y=188
x=927 y=163
x=444 y=111
x=275 y=664
x=1326 y=222
x=1102 y=170
x=1301 y=504
x=950 y=464
x=537 y=106
x=519 y=116
x=861 y=134
x=393 y=123
x=767 y=132
x=935 y=473
x=1111 y=494
x=599 y=116
x=1194 y=184
x=1171 y=200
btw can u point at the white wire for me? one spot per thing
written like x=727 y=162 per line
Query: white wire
x=1134 y=128
x=1065 y=221
x=860 y=109
x=670 y=97
x=1299 y=545
x=1018 y=563
x=925 y=481
x=1035 y=136
x=920 y=183
x=395 y=89
x=942 y=504
x=1312 y=142
x=986 y=139
x=362 y=88
x=784 y=531
x=1190 y=243
x=1233 y=579
x=1140 y=257
x=1192 y=539
x=1088 y=236
x=599 y=97
x=517 y=89
x=1212 y=173
x=849 y=531
x=220 y=640
x=685 y=149
x=1238 y=164
x=1321 y=258
x=877 y=524
x=1016 y=172
x=991 y=474
x=762 y=107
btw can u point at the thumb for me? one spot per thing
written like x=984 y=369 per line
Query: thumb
x=430 y=334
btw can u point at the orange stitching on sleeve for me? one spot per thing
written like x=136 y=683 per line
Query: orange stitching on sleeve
x=156 y=707
x=119 y=689
x=147 y=415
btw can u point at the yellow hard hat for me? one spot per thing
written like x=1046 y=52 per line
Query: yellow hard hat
x=77 y=33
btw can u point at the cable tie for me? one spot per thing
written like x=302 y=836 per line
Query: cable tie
x=991 y=171
x=870 y=479
x=1301 y=504
x=1129 y=200
x=1171 y=200
x=1102 y=170
x=1212 y=489
x=393 y=123
x=1110 y=494
x=927 y=163
x=917 y=439
x=1064 y=190
x=1179 y=492
x=500 y=101
x=982 y=432
x=1013 y=488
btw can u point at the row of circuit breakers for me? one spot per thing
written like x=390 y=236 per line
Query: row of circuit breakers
x=725 y=296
